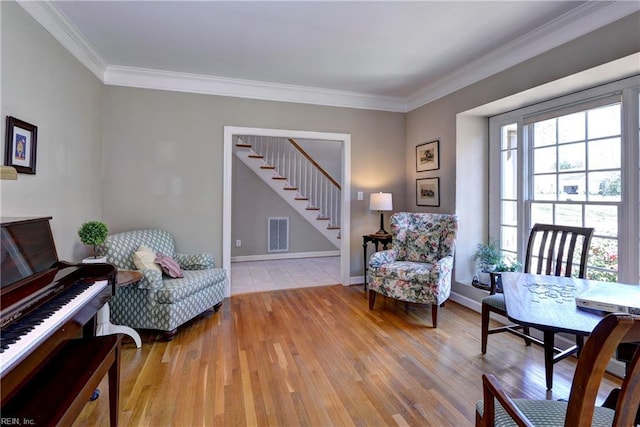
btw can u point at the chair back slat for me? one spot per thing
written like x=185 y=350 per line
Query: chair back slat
x=629 y=397
x=551 y=250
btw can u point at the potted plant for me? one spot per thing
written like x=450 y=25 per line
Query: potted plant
x=488 y=256
x=93 y=233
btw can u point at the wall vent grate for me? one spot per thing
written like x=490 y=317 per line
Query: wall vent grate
x=278 y=239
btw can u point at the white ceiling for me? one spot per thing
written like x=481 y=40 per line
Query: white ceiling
x=388 y=55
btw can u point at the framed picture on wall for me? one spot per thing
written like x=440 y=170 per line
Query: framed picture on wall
x=428 y=192
x=20 y=147
x=428 y=156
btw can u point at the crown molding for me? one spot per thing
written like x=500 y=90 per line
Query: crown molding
x=56 y=23
x=211 y=85
x=587 y=17
x=579 y=21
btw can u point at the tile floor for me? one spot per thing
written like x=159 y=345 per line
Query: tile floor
x=258 y=276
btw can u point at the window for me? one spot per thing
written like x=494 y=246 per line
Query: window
x=572 y=161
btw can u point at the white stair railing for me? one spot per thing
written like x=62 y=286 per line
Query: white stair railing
x=301 y=173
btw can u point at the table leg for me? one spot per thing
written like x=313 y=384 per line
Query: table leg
x=548 y=338
x=105 y=327
x=364 y=248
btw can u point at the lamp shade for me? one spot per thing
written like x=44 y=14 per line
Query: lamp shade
x=380 y=202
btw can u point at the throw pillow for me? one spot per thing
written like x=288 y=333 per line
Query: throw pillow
x=144 y=259
x=169 y=266
x=421 y=246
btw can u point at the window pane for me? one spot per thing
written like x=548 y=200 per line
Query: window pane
x=603 y=255
x=509 y=239
x=544 y=160
x=571 y=127
x=605 y=186
x=572 y=186
x=604 y=219
x=544 y=187
x=509 y=213
x=509 y=136
x=568 y=215
x=604 y=121
x=604 y=154
x=541 y=213
x=509 y=175
x=544 y=133
x=571 y=157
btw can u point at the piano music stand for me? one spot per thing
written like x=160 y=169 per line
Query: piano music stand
x=104 y=325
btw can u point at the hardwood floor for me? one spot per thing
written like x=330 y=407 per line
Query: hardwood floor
x=319 y=357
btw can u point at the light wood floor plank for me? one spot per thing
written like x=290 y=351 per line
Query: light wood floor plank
x=319 y=357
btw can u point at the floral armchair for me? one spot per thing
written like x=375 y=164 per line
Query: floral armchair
x=160 y=301
x=418 y=268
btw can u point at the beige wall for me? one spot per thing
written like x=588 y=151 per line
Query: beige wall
x=464 y=139
x=44 y=85
x=163 y=153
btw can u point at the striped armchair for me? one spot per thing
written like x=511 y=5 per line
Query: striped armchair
x=419 y=266
x=158 y=301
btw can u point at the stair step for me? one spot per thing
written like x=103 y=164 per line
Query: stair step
x=244 y=145
x=311 y=208
x=267 y=167
x=279 y=177
x=301 y=198
x=323 y=218
x=333 y=227
x=256 y=156
x=290 y=189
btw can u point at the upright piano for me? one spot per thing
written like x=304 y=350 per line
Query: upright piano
x=51 y=360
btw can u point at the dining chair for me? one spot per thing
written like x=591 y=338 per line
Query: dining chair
x=499 y=409
x=553 y=250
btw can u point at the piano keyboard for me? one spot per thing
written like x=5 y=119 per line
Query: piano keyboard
x=20 y=337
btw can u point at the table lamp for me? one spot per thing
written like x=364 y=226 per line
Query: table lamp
x=381 y=202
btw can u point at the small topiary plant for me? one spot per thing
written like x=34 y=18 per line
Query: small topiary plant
x=93 y=233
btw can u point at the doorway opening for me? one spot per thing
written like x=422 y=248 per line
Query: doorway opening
x=345 y=142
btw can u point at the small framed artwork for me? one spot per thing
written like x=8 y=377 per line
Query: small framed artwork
x=428 y=192
x=20 y=149
x=428 y=156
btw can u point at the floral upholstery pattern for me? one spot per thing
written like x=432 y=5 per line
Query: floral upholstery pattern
x=157 y=301
x=419 y=266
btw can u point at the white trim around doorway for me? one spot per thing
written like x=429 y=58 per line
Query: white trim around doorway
x=345 y=235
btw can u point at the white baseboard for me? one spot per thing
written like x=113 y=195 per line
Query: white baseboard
x=296 y=255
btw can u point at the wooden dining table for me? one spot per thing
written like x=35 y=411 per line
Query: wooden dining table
x=547 y=303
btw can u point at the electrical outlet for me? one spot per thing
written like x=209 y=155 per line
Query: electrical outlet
x=360 y=195
x=238 y=243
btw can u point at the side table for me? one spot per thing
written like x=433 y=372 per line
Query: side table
x=105 y=327
x=376 y=239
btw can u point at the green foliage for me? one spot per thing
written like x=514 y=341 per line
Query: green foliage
x=93 y=233
x=488 y=256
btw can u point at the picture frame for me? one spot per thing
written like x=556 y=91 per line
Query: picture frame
x=21 y=144
x=428 y=156
x=428 y=192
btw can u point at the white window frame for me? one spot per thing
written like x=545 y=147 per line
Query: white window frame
x=629 y=217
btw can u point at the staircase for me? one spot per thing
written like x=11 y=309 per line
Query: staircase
x=285 y=167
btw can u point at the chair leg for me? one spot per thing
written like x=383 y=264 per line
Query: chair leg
x=434 y=315
x=372 y=299
x=525 y=330
x=485 y=328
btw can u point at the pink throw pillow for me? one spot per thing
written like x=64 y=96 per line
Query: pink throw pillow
x=169 y=266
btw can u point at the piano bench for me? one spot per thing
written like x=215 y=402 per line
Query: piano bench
x=57 y=394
